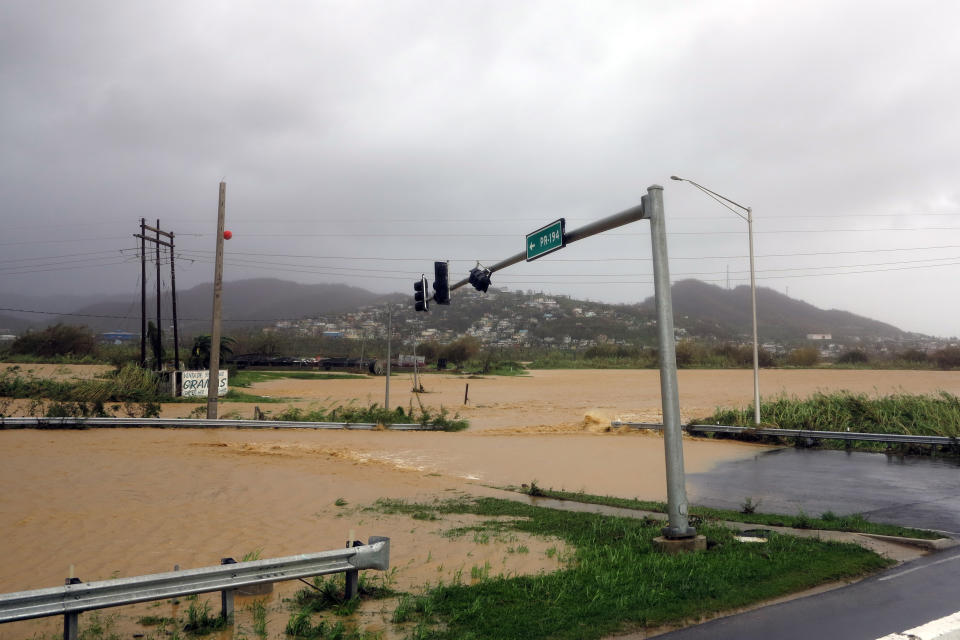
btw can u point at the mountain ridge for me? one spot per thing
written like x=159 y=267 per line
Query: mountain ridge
x=700 y=309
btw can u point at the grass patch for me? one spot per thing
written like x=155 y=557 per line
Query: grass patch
x=856 y=523
x=247 y=377
x=154 y=621
x=199 y=620
x=327 y=595
x=99 y=626
x=239 y=396
x=614 y=580
x=258 y=611
x=902 y=413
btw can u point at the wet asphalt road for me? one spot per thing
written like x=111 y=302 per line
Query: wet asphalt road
x=912 y=491
x=907 y=490
x=903 y=598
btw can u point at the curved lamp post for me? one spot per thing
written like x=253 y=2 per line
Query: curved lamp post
x=753 y=285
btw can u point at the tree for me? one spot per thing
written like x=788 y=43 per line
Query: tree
x=461 y=349
x=854 y=356
x=914 y=355
x=58 y=340
x=947 y=358
x=803 y=357
x=429 y=350
x=200 y=352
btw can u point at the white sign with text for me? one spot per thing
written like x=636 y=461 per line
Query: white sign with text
x=194 y=383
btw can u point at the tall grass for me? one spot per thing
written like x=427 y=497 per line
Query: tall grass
x=925 y=414
x=129 y=384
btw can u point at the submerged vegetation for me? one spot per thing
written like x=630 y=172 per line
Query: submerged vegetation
x=374 y=413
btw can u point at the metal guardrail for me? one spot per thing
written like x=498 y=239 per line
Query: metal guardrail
x=76 y=597
x=800 y=433
x=196 y=423
x=824 y=435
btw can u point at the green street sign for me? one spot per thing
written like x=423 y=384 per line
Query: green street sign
x=546 y=240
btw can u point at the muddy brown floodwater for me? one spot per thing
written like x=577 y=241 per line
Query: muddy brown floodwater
x=124 y=502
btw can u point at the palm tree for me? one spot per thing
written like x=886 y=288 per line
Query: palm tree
x=200 y=352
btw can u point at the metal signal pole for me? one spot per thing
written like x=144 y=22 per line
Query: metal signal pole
x=679 y=530
x=386 y=395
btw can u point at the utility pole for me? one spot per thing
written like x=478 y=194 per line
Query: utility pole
x=159 y=362
x=213 y=382
x=144 y=238
x=386 y=396
x=416 y=382
x=143 y=293
x=176 y=333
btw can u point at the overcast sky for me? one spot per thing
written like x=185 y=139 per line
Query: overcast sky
x=360 y=141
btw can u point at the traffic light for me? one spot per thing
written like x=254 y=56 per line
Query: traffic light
x=441 y=286
x=480 y=278
x=420 y=302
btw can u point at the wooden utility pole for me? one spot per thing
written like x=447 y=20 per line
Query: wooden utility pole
x=144 y=228
x=176 y=333
x=143 y=293
x=159 y=363
x=213 y=384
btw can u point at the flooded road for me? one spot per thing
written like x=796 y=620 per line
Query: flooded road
x=907 y=490
x=126 y=502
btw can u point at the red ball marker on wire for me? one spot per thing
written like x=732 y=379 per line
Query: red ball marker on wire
x=227 y=235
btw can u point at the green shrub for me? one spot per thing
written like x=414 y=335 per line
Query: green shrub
x=58 y=340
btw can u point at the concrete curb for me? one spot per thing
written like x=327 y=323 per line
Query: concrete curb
x=938 y=544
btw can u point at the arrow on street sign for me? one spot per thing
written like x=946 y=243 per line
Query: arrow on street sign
x=546 y=239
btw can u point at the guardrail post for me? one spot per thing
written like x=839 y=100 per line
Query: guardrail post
x=226 y=596
x=71 y=626
x=71 y=621
x=352 y=578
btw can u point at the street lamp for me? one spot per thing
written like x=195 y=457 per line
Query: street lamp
x=753 y=286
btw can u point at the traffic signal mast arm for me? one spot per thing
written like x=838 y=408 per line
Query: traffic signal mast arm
x=605 y=224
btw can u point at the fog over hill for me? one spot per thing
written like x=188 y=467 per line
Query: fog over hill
x=705 y=309
x=702 y=310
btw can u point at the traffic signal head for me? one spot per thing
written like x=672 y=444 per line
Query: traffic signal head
x=480 y=279
x=420 y=302
x=441 y=285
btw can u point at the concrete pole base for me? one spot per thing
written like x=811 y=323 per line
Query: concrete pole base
x=679 y=545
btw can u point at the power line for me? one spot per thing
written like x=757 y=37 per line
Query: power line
x=8 y=244
x=66 y=255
